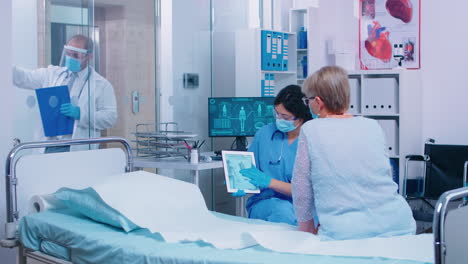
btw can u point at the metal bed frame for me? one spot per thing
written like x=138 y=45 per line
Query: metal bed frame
x=11 y=179
x=439 y=225
x=33 y=257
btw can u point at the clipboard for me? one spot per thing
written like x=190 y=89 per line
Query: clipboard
x=49 y=100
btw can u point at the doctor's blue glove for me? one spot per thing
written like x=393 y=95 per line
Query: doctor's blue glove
x=239 y=193
x=70 y=111
x=257 y=177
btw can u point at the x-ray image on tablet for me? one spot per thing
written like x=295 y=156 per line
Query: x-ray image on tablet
x=233 y=162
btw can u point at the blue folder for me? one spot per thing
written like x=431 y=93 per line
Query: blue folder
x=285 y=52
x=279 y=51
x=266 y=50
x=49 y=100
x=275 y=63
x=263 y=84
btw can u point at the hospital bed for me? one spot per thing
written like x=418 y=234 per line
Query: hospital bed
x=64 y=236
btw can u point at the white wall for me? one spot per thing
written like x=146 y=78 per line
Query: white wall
x=444 y=60
x=6 y=110
x=185 y=48
x=443 y=72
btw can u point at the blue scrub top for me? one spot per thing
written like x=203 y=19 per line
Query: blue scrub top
x=266 y=146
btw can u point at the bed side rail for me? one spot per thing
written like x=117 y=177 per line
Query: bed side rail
x=439 y=225
x=13 y=157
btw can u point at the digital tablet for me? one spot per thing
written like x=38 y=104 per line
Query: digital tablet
x=233 y=162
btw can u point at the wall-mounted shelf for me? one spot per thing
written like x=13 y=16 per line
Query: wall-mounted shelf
x=249 y=74
x=280 y=72
x=298 y=18
x=395 y=94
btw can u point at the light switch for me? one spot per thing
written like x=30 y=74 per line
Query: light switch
x=135 y=102
x=190 y=80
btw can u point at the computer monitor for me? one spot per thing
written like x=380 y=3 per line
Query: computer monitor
x=239 y=117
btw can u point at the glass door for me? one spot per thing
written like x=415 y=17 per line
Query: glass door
x=103 y=50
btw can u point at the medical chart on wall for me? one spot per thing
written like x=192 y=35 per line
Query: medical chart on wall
x=389 y=34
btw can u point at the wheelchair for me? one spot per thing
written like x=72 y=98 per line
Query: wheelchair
x=444 y=168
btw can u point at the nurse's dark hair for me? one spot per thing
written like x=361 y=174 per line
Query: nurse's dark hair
x=291 y=98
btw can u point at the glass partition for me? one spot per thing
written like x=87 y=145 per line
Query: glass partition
x=103 y=50
x=140 y=62
x=54 y=54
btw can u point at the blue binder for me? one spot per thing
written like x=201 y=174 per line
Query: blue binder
x=279 y=51
x=274 y=51
x=285 y=52
x=49 y=100
x=272 y=85
x=266 y=87
x=263 y=84
x=266 y=50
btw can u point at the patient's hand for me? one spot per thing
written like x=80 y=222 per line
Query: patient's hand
x=309 y=227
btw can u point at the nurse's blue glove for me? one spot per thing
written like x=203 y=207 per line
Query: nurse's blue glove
x=239 y=193
x=257 y=177
x=70 y=110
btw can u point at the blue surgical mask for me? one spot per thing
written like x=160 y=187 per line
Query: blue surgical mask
x=72 y=64
x=314 y=116
x=285 y=125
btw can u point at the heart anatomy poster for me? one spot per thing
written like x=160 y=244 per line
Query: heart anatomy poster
x=389 y=34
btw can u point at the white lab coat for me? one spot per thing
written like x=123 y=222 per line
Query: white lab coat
x=97 y=95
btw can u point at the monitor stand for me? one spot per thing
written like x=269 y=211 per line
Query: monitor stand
x=240 y=143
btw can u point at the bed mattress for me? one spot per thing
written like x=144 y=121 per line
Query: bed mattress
x=70 y=236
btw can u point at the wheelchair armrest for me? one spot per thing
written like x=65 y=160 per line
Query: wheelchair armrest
x=415 y=158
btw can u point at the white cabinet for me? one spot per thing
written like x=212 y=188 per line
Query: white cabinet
x=249 y=74
x=308 y=18
x=298 y=20
x=393 y=98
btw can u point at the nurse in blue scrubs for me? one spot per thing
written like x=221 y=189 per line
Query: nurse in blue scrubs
x=274 y=146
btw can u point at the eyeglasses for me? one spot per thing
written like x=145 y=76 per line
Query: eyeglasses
x=285 y=117
x=305 y=100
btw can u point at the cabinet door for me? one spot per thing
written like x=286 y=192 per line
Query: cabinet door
x=380 y=96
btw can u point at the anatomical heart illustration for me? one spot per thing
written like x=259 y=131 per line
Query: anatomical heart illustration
x=401 y=9
x=389 y=34
x=377 y=43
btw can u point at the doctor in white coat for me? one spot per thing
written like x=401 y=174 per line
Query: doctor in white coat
x=93 y=104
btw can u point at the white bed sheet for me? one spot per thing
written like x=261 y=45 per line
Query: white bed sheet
x=177 y=211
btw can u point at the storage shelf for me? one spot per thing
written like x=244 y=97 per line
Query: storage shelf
x=280 y=72
x=378 y=115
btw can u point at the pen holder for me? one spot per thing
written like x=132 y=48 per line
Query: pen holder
x=194 y=156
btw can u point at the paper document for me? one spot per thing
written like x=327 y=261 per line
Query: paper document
x=49 y=100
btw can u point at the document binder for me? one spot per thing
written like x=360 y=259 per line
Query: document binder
x=285 y=52
x=279 y=51
x=390 y=130
x=274 y=51
x=266 y=43
x=263 y=84
x=49 y=100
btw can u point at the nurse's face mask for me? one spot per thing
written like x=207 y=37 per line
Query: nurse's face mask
x=73 y=58
x=285 y=122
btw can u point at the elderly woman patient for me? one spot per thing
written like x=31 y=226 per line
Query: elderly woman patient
x=342 y=169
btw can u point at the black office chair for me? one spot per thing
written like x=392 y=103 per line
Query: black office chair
x=445 y=168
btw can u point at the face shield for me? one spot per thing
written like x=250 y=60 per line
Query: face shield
x=75 y=59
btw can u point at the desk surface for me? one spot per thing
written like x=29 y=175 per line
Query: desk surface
x=178 y=163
